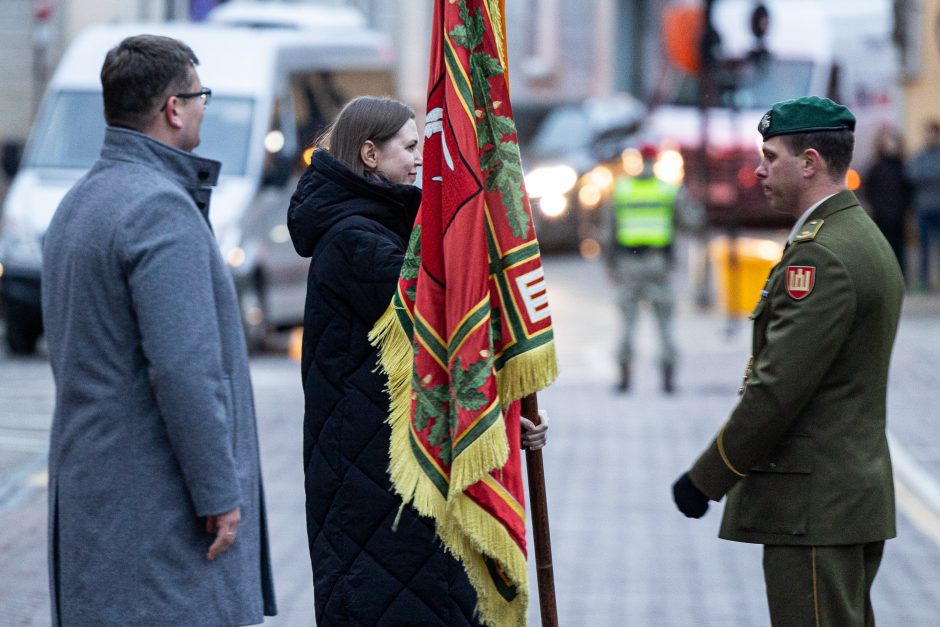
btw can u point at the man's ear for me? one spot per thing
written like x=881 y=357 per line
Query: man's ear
x=367 y=154
x=170 y=115
x=812 y=162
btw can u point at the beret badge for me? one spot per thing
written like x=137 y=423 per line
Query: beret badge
x=765 y=122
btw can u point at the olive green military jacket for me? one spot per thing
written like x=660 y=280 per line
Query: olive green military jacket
x=804 y=457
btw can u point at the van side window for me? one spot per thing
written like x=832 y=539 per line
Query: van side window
x=317 y=99
x=317 y=96
x=279 y=150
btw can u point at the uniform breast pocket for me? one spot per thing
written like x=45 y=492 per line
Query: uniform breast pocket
x=775 y=496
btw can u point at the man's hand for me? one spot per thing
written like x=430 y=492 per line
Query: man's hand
x=224 y=526
x=535 y=436
x=688 y=498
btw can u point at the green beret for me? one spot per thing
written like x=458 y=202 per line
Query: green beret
x=805 y=115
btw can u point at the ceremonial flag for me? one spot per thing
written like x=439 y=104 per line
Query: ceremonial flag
x=469 y=332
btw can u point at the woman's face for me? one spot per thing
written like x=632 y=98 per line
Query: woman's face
x=398 y=158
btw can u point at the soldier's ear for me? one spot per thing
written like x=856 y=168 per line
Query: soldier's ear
x=812 y=163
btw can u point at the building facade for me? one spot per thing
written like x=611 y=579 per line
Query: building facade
x=559 y=51
x=36 y=32
x=920 y=36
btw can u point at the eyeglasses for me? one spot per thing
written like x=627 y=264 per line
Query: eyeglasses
x=205 y=94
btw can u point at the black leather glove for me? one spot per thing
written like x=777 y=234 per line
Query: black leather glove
x=688 y=498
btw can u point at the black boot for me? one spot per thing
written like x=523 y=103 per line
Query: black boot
x=668 y=383
x=623 y=384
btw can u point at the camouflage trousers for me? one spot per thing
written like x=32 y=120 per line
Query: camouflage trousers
x=645 y=277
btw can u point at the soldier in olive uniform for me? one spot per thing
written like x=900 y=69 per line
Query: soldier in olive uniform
x=804 y=457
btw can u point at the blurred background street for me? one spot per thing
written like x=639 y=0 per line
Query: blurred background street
x=592 y=84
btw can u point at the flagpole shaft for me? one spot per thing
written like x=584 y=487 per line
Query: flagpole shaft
x=538 y=505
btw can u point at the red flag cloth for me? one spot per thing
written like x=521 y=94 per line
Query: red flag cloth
x=469 y=331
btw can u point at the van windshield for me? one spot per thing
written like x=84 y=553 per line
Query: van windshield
x=71 y=130
x=758 y=86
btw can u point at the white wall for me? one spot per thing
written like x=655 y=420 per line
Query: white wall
x=21 y=77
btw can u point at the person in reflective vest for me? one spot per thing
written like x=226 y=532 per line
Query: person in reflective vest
x=639 y=259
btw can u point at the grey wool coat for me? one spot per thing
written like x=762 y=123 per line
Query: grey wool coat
x=154 y=424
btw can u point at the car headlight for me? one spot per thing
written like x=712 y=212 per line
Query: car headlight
x=669 y=167
x=602 y=178
x=235 y=251
x=590 y=196
x=550 y=180
x=553 y=205
x=235 y=257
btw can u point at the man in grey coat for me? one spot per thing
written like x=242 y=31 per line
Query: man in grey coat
x=156 y=507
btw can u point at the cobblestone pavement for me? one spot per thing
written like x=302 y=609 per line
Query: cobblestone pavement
x=622 y=554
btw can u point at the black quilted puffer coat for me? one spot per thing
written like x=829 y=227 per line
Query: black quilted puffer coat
x=365 y=573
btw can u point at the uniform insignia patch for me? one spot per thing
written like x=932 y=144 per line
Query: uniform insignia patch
x=800 y=281
x=765 y=122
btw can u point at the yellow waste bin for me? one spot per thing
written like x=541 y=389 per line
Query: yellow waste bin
x=738 y=291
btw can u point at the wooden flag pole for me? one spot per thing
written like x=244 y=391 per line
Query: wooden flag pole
x=538 y=505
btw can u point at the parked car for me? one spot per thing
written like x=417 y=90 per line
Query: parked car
x=274 y=90
x=570 y=165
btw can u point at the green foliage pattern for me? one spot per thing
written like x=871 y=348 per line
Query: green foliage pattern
x=412 y=263
x=435 y=402
x=499 y=152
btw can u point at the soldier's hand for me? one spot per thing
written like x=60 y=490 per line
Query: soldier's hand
x=688 y=498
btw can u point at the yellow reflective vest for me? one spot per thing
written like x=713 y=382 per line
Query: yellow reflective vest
x=644 y=212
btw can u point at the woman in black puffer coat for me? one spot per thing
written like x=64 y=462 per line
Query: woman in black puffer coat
x=352 y=214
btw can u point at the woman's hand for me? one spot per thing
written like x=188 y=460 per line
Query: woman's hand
x=534 y=437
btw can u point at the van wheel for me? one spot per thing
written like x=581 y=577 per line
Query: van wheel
x=254 y=314
x=22 y=332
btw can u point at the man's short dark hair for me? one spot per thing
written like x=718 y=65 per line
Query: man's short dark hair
x=834 y=146
x=141 y=72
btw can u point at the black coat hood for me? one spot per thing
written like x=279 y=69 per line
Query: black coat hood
x=329 y=192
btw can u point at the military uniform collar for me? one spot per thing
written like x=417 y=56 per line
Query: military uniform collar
x=838 y=202
x=809 y=224
x=804 y=217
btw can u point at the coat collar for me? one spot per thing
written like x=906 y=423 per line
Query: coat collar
x=197 y=175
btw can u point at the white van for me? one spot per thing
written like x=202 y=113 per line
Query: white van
x=273 y=91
